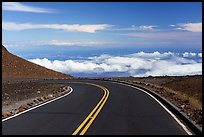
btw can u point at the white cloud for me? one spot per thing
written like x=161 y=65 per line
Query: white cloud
x=200 y=55
x=138 y=64
x=66 y=43
x=12 y=26
x=172 y=69
x=69 y=43
x=193 y=27
x=16 y=6
x=161 y=35
x=137 y=28
x=171 y=37
x=87 y=43
x=148 y=55
x=189 y=54
x=146 y=27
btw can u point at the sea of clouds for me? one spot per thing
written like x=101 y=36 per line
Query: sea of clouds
x=139 y=64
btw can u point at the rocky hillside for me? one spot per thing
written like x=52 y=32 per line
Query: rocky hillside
x=14 y=67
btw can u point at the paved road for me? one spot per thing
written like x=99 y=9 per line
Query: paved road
x=118 y=110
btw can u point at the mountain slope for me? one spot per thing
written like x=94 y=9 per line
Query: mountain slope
x=14 y=67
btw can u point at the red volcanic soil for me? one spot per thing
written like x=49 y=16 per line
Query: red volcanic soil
x=14 y=67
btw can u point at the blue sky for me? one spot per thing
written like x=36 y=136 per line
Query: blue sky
x=78 y=31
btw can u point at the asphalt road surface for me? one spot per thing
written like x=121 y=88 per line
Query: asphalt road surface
x=102 y=108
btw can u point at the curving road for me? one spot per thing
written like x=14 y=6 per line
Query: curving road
x=103 y=108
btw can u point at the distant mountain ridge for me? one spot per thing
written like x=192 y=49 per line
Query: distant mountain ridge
x=14 y=67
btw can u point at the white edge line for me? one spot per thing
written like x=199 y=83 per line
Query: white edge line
x=177 y=120
x=38 y=106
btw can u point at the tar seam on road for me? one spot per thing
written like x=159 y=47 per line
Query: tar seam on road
x=171 y=114
x=84 y=126
x=38 y=105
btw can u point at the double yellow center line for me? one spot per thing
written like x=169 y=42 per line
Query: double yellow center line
x=81 y=130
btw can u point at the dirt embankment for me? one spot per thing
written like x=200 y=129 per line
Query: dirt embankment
x=21 y=95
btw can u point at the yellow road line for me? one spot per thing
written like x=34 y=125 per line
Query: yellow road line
x=84 y=126
x=97 y=112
